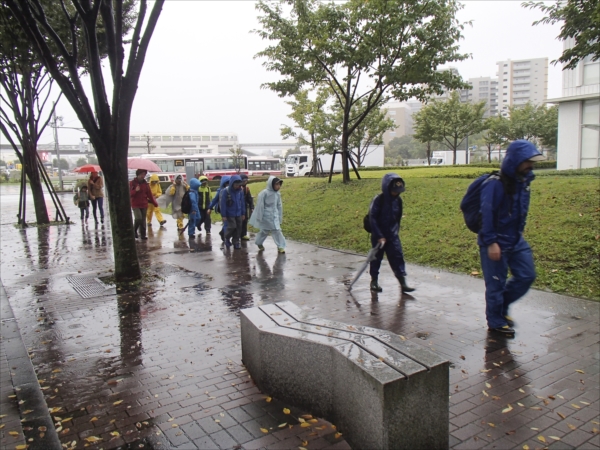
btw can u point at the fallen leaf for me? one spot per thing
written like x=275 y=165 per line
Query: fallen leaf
x=305 y=424
x=268 y=399
x=282 y=425
x=115 y=433
x=264 y=430
x=575 y=406
x=560 y=396
x=526 y=447
x=67 y=419
x=507 y=410
x=286 y=411
x=56 y=371
x=579 y=370
x=21 y=447
x=301 y=420
x=93 y=419
x=488 y=385
x=462 y=357
x=556 y=438
x=537 y=408
x=584 y=403
x=572 y=427
x=491 y=425
x=174 y=425
x=304 y=443
x=93 y=439
x=118 y=402
x=521 y=391
x=485 y=393
x=562 y=416
x=521 y=404
x=485 y=370
x=542 y=439
x=217 y=421
x=313 y=421
x=337 y=435
x=13 y=433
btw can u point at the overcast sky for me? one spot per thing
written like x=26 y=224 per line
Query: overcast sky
x=200 y=73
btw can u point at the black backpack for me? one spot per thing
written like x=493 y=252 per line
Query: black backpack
x=471 y=202
x=366 y=219
x=186 y=203
x=229 y=200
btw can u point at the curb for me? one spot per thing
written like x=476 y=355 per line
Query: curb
x=25 y=383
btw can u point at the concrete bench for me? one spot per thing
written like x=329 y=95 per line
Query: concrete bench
x=382 y=392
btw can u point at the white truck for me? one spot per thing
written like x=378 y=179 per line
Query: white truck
x=300 y=164
x=446 y=157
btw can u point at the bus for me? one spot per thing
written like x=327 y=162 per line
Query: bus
x=214 y=167
x=264 y=166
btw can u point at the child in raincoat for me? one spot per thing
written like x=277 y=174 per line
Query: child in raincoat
x=156 y=192
x=82 y=200
x=173 y=196
x=268 y=215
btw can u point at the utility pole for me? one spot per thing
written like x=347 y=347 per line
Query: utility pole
x=54 y=125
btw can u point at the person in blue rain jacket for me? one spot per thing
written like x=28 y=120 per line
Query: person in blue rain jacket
x=215 y=202
x=385 y=213
x=504 y=208
x=232 y=203
x=194 y=215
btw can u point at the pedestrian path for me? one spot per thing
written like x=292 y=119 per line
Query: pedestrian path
x=159 y=365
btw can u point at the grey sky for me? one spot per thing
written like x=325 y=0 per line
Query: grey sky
x=200 y=73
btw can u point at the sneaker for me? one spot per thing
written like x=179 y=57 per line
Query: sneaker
x=281 y=250
x=245 y=238
x=510 y=321
x=504 y=331
x=227 y=243
x=237 y=246
x=162 y=222
x=207 y=233
x=261 y=248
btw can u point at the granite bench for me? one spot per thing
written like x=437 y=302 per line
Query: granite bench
x=381 y=391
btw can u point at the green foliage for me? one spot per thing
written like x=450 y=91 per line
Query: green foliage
x=402 y=148
x=81 y=162
x=364 y=51
x=580 y=20
x=562 y=222
x=64 y=164
x=92 y=160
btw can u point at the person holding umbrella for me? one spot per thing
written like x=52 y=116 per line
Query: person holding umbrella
x=95 y=186
x=140 y=196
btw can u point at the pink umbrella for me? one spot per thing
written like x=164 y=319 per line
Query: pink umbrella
x=88 y=168
x=145 y=164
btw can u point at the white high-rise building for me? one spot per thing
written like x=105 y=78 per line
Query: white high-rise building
x=521 y=81
x=482 y=89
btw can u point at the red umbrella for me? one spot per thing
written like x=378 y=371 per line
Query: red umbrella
x=145 y=164
x=88 y=168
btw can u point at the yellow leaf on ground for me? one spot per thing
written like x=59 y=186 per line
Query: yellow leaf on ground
x=580 y=371
x=268 y=399
x=572 y=427
x=264 y=430
x=174 y=425
x=485 y=370
x=93 y=439
x=93 y=419
x=583 y=403
x=313 y=421
x=304 y=425
x=560 y=396
x=491 y=425
x=526 y=447
x=21 y=447
x=301 y=420
x=301 y=448
x=67 y=419
x=337 y=435
x=521 y=404
x=286 y=411
x=304 y=443
x=556 y=438
x=282 y=425
x=13 y=433
x=575 y=406
x=485 y=393
x=115 y=433
x=488 y=385
x=306 y=416
x=507 y=410
x=118 y=402
x=56 y=409
x=521 y=391
x=56 y=371
x=562 y=416
x=541 y=439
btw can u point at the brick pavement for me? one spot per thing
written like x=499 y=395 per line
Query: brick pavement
x=159 y=366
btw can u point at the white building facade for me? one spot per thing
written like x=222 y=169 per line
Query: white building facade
x=482 y=89
x=191 y=143
x=579 y=116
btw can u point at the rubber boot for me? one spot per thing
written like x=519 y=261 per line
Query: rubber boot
x=375 y=285
x=404 y=286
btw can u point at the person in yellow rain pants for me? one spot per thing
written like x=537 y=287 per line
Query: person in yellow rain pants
x=156 y=192
x=175 y=194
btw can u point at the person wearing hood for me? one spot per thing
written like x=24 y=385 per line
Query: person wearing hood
x=249 y=206
x=214 y=204
x=156 y=192
x=504 y=208
x=385 y=214
x=194 y=215
x=268 y=215
x=204 y=200
x=232 y=205
x=140 y=197
x=173 y=196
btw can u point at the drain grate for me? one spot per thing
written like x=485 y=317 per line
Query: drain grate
x=90 y=287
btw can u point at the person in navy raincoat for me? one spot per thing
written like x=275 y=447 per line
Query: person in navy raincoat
x=504 y=208
x=194 y=215
x=385 y=214
x=232 y=203
x=215 y=201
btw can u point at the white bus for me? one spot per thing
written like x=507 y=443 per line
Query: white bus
x=264 y=166
x=212 y=166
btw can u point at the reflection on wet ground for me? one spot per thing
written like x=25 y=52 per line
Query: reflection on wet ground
x=126 y=367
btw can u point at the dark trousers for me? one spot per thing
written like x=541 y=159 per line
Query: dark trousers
x=84 y=211
x=395 y=256
x=139 y=222
x=99 y=203
x=205 y=219
x=500 y=293
x=234 y=228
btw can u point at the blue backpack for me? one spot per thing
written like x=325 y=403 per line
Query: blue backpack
x=471 y=202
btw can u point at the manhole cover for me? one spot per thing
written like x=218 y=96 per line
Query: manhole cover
x=90 y=287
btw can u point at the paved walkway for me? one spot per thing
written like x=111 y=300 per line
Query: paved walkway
x=159 y=366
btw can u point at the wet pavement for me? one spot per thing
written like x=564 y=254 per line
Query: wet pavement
x=159 y=366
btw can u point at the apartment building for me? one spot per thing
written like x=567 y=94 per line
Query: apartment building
x=482 y=89
x=402 y=115
x=578 y=144
x=522 y=81
x=181 y=143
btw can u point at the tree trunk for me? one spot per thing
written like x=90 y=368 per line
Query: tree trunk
x=429 y=153
x=315 y=164
x=30 y=166
x=345 y=166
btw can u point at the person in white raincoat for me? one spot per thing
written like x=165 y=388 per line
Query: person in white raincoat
x=268 y=215
x=174 y=195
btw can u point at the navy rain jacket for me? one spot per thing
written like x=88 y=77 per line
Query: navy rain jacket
x=385 y=215
x=503 y=215
x=238 y=208
x=215 y=200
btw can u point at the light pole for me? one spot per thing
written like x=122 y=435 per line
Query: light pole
x=54 y=124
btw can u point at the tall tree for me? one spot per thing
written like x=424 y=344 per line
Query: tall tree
x=580 y=21
x=107 y=123
x=310 y=116
x=496 y=129
x=547 y=127
x=425 y=129
x=452 y=121
x=364 y=51
x=24 y=109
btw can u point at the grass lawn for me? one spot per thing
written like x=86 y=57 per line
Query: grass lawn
x=562 y=224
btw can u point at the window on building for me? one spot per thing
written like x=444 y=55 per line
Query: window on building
x=391 y=112
x=214 y=138
x=206 y=138
x=134 y=138
x=590 y=134
x=224 y=138
x=166 y=138
x=187 y=138
x=591 y=71
x=176 y=138
x=483 y=83
x=196 y=138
